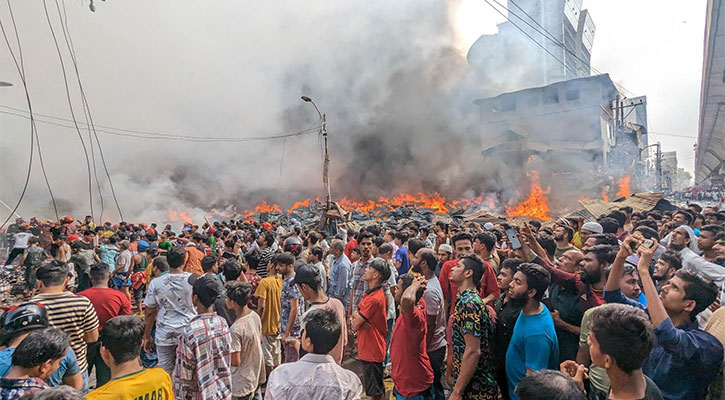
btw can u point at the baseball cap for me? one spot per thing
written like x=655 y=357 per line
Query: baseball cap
x=143 y=245
x=306 y=274
x=381 y=266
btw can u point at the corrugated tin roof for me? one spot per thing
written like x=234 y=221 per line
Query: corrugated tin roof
x=593 y=209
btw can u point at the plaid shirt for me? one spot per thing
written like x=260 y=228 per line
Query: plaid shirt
x=357 y=285
x=203 y=360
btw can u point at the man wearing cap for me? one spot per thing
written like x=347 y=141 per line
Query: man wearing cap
x=445 y=252
x=588 y=229
x=17 y=323
x=307 y=280
x=370 y=321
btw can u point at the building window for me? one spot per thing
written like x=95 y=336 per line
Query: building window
x=508 y=104
x=572 y=95
x=551 y=95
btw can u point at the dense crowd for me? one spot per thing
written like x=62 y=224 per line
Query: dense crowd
x=624 y=307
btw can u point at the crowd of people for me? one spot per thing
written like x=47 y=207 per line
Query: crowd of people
x=624 y=307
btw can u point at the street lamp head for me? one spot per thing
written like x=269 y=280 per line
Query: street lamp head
x=307 y=99
x=5 y=84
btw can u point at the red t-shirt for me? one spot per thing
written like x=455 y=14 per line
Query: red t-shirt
x=108 y=303
x=412 y=372
x=489 y=285
x=371 y=336
x=349 y=246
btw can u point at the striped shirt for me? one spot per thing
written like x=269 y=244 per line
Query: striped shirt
x=203 y=360
x=73 y=315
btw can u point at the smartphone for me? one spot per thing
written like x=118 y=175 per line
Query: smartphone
x=511 y=235
x=648 y=243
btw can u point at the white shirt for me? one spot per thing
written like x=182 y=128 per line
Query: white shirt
x=171 y=293
x=313 y=377
x=433 y=296
x=21 y=240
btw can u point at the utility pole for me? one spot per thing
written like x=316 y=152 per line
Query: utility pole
x=658 y=166
x=326 y=167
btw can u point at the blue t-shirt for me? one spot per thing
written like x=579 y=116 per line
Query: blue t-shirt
x=533 y=346
x=401 y=256
x=68 y=367
x=107 y=255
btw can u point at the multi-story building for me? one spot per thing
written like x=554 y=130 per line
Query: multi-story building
x=545 y=41
x=669 y=171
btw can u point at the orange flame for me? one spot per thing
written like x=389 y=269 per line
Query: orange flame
x=536 y=205
x=298 y=204
x=605 y=196
x=264 y=207
x=624 y=187
x=178 y=216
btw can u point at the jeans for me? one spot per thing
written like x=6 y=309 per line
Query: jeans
x=424 y=395
x=13 y=253
x=86 y=382
x=167 y=358
x=103 y=373
x=437 y=360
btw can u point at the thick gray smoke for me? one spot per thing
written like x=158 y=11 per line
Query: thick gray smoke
x=397 y=94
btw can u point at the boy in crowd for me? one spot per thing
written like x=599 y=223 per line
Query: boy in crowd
x=246 y=332
x=121 y=339
x=269 y=297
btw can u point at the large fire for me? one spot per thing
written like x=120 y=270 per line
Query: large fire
x=624 y=187
x=536 y=205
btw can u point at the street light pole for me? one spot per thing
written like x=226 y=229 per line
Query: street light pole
x=326 y=165
x=658 y=162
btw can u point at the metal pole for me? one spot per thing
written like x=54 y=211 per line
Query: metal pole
x=326 y=168
x=658 y=166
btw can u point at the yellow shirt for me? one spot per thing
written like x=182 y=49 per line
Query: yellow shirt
x=151 y=384
x=270 y=289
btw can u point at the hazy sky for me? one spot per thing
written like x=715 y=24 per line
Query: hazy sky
x=231 y=68
x=651 y=47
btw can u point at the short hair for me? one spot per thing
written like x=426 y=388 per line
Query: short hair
x=712 y=228
x=488 y=239
x=407 y=280
x=323 y=328
x=122 y=337
x=512 y=264
x=688 y=215
x=537 y=277
x=547 y=243
x=285 y=258
x=175 y=256
x=604 y=238
x=647 y=232
x=161 y=263
x=626 y=209
x=647 y=223
x=624 y=333
x=655 y=215
x=317 y=252
x=269 y=238
x=385 y=248
x=535 y=224
x=41 y=346
x=473 y=263
x=603 y=253
x=698 y=288
x=619 y=216
x=547 y=384
x=609 y=225
x=697 y=207
x=430 y=258
x=207 y=289
x=414 y=245
x=52 y=273
x=569 y=232
x=672 y=258
x=231 y=270
x=100 y=272
x=239 y=292
x=208 y=263
x=33 y=240
x=365 y=235
x=461 y=236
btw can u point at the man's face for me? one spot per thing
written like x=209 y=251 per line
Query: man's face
x=630 y=286
x=589 y=269
x=518 y=288
x=598 y=358
x=679 y=239
x=662 y=270
x=477 y=246
x=388 y=237
x=458 y=273
x=559 y=233
x=585 y=234
x=719 y=248
x=366 y=247
x=463 y=247
x=666 y=219
x=569 y=261
x=705 y=241
x=398 y=292
x=679 y=219
x=673 y=296
x=88 y=237
x=590 y=242
x=504 y=279
x=443 y=256
x=369 y=274
x=635 y=219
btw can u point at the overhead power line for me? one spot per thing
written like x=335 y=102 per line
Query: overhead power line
x=152 y=136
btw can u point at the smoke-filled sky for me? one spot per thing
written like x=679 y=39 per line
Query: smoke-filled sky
x=391 y=77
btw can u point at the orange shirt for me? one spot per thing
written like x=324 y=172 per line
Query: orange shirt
x=371 y=336
x=193 y=260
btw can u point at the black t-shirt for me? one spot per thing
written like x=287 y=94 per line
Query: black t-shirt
x=506 y=315
x=652 y=392
x=86 y=246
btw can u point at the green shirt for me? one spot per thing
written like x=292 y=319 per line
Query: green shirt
x=597 y=375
